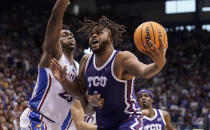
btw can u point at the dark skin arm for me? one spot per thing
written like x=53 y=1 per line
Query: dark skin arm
x=168 y=120
x=78 y=117
x=127 y=64
x=52 y=46
x=77 y=88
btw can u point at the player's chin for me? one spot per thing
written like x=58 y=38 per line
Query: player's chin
x=94 y=48
x=96 y=51
x=71 y=47
x=145 y=105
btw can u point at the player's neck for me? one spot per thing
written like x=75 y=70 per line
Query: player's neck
x=151 y=112
x=69 y=54
x=100 y=59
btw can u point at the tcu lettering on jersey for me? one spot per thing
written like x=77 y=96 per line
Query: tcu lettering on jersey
x=153 y=127
x=97 y=81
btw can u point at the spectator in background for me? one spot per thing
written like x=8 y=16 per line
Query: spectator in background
x=156 y=118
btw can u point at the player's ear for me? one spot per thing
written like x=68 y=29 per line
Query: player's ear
x=110 y=36
x=152 y=100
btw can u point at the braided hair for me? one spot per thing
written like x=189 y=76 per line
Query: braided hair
x=117 y=30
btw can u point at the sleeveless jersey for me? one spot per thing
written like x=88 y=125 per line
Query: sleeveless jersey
x=155 y=123
x=119 y=97
x=49 y=98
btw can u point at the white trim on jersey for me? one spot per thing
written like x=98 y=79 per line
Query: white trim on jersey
x=49 y=79
x=36 y=87
x=113 y=75
x=126 y=90
x=100 y=68
x=135 y=124
x=154 y=117
x=161 y=114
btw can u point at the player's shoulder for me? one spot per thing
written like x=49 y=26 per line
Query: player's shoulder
x=123 y=55
x=85 y=57
x=165 y=114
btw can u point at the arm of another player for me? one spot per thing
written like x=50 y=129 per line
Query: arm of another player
x=168 y=120
x=87 y=101
x=76 y=88
x=133 y=66
x=52 y=46
x=78 y=117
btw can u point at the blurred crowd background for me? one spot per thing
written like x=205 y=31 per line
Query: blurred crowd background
x=182 y=88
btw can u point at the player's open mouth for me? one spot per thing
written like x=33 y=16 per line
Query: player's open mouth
x=144 y=102
x=94 y=41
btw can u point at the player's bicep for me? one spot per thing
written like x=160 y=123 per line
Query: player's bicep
x=132 y=65
x=52 y=35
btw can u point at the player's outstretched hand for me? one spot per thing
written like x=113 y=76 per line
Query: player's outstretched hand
x=96 y=100
x=57 y=70
x=156 y=54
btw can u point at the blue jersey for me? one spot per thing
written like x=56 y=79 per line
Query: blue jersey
x=120 y=102
x=155 y=123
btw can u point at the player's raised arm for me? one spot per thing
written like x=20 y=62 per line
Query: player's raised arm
x=52 y=45
x=54 y=25
x=133 y=66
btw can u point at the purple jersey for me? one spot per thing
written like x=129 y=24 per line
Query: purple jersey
x=119 y=97
x=155 y=123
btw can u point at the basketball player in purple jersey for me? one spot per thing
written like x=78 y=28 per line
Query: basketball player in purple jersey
x=156 y=119
x=109 y=74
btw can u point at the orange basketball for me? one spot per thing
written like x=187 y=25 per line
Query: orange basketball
x=149 y=31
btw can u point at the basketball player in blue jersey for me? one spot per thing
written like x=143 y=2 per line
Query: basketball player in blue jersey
x=49 y=106
x=156 y=119
x=109 y=74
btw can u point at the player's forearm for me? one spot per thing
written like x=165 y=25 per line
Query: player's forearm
x=54 y=26
x=59 y=8
x=87 y=107
x=89 y=110
x=150 y=70
x=71 y=88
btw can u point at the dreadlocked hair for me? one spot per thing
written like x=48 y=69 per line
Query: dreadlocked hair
x=117 y=30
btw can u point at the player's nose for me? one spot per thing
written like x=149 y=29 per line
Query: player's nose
x=94 y=36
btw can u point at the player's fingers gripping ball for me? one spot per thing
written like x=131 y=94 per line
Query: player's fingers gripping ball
x=148 y=33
